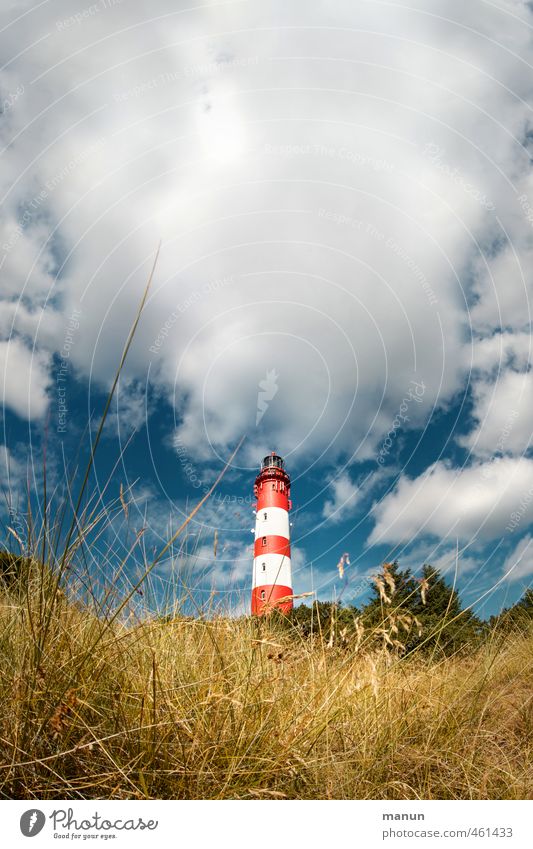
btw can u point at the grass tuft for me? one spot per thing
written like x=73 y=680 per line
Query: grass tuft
x=223 y=708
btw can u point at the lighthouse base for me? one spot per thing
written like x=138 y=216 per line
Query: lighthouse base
x=266 y=598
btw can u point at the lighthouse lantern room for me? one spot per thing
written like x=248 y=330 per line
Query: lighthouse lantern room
x=272 y=580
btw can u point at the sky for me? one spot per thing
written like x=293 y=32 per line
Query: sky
x=343 y=196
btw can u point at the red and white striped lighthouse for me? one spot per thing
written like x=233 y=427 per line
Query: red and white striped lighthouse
x=272 y=579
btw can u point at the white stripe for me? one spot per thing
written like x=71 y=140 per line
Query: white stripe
x=275 y=524
x=277 y=570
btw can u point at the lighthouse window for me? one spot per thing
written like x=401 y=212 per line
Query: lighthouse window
x=263 y=566
x=264 y=540
x=263 y=595
x=265 y=516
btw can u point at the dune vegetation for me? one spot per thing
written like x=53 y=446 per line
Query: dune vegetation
x=107 y=694
x=102 y=706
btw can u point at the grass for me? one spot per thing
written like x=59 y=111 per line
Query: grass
x=222 y=708
x=100 y=699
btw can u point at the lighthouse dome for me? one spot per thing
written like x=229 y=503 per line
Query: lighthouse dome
x=272 y=460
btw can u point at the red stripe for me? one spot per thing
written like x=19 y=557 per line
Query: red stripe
x=262 y=606
x=274 y=545
x=268 y=497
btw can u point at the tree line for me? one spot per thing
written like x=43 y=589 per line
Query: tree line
x=407 y=612
x=404 y=612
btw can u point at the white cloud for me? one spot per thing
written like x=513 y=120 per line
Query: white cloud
x=345 y=496
x=503 y=415
x=231 y=568
x=519 y=564
x=24 y=379
x=474 y=502
x=494 y=353
x=503 y=282
x=442 y=556
x=306 y=181
x=128 y=410
x=12 y=474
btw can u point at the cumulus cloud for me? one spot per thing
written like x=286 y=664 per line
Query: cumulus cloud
x=493 y=354
x=476 y=502
x=519 y=564
x=443 y=556
x=345 y=496
x=503 y=415
x=345 y=199
x=341 y=192
x=25 y=379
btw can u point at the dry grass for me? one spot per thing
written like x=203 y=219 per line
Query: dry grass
x=104 y=706
x=245 y=709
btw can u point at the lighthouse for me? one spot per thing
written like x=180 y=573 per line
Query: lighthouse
x=272 y=579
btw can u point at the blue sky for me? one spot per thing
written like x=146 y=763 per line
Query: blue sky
x=344 y=201
x=328 y=519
